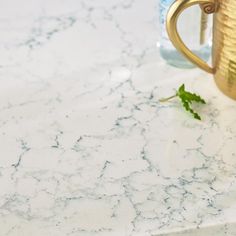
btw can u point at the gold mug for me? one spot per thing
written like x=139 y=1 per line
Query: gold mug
x=224 y=40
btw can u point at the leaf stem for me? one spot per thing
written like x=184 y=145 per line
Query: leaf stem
x=167 y=99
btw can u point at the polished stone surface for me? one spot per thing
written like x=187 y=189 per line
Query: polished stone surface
x=86 y=148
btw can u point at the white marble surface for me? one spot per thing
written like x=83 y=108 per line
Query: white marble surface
x=86 y=148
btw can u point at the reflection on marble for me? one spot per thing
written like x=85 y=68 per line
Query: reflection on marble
x=85 y=147
x=228 y=229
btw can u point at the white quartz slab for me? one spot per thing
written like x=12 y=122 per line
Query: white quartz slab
x=86 y=148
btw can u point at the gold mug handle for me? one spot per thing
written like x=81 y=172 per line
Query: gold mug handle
x=208 y=6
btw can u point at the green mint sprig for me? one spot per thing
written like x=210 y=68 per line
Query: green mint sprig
x=186 y=98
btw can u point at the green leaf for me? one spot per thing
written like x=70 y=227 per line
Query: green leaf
x=181 y=89
x=187 y=107
x=187 y=98
x=190 y=97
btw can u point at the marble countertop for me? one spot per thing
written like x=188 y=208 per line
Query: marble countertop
x=86 y=148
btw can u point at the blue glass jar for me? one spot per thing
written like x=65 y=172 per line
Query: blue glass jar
x=196 y=36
